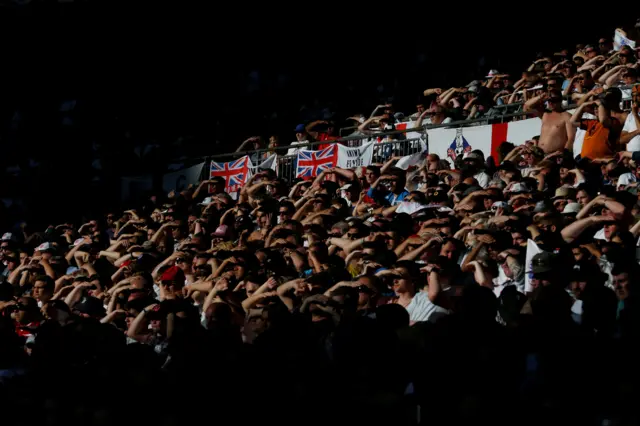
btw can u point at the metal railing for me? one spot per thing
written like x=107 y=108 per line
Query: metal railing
x=357 y=140
x=390 y=142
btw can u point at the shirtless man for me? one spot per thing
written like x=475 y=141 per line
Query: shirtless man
x=556 y=133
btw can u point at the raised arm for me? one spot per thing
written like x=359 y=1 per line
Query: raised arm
x=136 y=327
x=375 y=110
x=571 y=232
x=576 y=117
x=446 y=97
x=420 y=119
x=592 y=61
x=243 y=145
x=571 y=133
x=611 y=76
x=535 y=104
x=285 y=288
x=364 y=127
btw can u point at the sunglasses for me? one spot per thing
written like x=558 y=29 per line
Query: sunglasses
x=365 y=289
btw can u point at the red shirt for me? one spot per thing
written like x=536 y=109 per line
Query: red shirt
x=325 y=137
x=20 y=331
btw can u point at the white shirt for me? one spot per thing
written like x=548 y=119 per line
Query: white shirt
x=294 y=151
x=599 y=235
x=447 y=120
x=421 y=308
x=630 y=126
x=483 y=179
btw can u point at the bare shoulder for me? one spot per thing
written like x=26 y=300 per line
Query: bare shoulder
x=566 y=115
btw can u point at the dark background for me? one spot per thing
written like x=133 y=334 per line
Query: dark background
x=178 y=77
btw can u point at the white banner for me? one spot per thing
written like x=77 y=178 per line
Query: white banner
x=518 y=132
x=620 y=39
x=178 y=181
x=449 y=143
x=411 y=160
x=270 y=162
x=349 y=158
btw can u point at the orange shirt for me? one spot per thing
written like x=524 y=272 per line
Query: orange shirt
x=599 y=141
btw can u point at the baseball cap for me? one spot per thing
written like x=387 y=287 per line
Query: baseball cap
x=7 y=236
x=492 y=73
x=472 y=156
x=518 y=188
x=540 y=207
x=564 y=192
x=474 y=83
x=173 y=274
x=300 y=128
x=497 y=184
x=625 y=179
x=543 y=262
x=572 y=208
x=221 y=231
x=44 y=247
x=78 y=242
x=508 y=166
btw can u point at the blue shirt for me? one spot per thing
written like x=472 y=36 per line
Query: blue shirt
x=389 y=197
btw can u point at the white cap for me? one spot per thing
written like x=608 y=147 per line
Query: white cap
x=519 y=187
x=7 y=236
x=472 y=156
x=572 y=208
x=625 y=179
x=44 y=247
x=492 y=73
x=206 y=201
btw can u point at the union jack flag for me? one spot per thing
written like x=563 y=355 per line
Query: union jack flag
x=233 y=172
x=310 y=163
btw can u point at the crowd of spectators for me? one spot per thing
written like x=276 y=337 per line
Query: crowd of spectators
x=370 y=295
